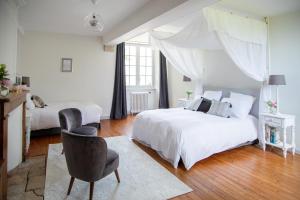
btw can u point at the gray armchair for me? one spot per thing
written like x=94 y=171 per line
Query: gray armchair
x=88 y=159
x=71 y=120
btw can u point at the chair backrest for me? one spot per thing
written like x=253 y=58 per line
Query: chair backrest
x=85 y=155
x=70 y=118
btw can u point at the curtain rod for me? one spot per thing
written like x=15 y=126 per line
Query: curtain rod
x=265 y=19
x=236 y=12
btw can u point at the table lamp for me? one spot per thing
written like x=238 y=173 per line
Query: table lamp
x=277 y=80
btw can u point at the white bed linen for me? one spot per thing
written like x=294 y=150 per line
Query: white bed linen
x=45 y=118
x=191 y=135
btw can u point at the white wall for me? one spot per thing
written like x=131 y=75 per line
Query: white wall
x=177 y=88
x=92 y=78
x=285 y=59
x=8 y=56
x=219 y=71
x=8 y=35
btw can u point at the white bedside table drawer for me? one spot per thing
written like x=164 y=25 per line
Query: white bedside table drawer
x=273 y=121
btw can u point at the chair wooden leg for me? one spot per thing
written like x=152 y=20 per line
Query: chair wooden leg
x=91 y=190
x=117 y=175
x=70 y=185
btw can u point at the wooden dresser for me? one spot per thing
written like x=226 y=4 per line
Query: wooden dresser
x=7 y=105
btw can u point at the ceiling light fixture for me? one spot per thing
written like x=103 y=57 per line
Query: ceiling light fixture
x=94 y=22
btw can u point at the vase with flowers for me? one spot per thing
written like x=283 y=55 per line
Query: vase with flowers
x=272 y=106
x=4 y=80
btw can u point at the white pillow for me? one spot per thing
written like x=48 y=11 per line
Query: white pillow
x=193 y=105
x=213 y=95
x=241 y=104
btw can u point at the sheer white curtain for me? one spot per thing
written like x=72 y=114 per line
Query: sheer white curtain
x=245 y=41
x=249 y=57
x=187 y=61
x=184 y=50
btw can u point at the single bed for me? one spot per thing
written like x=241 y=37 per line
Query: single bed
x=45 y=121
x=178 y=133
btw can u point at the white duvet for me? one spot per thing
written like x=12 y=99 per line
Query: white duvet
x=178 y=133
x=45 y=118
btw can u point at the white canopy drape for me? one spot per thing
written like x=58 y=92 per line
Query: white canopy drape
x=243 y=39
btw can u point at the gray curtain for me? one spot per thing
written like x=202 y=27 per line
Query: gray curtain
x=119 y=103
x=163 y=82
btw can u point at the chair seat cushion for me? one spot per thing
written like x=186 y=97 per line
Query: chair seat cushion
x=85 y=130
x=112 y=162
x=111 y=156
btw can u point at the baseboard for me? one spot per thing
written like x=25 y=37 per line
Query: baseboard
x=104 y=117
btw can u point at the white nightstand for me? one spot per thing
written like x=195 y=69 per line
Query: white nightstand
x=183 y=102
x=280 y=122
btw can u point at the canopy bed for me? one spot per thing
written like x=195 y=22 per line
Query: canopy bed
x=191 y=135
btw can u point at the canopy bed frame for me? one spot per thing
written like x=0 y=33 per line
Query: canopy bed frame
x=245 y=40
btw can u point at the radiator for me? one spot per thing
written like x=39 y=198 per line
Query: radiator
x=138 y=102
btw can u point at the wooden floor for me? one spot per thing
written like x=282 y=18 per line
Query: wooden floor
x=243 y=173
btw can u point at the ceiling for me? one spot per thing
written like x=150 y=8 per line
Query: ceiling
x=67 y=16
x=251 y=8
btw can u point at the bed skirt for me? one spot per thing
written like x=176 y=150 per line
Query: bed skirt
x=56 y=130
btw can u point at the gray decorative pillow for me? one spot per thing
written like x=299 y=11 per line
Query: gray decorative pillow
x=194 y=104
x=38 y=101
x=221 y=109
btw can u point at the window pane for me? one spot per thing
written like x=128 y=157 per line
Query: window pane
x=132 y=50
x=149 y=52
x=126 y=60
x=127 y=80
x=142 y=61
x=126 y=70
x=149 y=61
x=132 y=80
x=142 y=51
x=142 y=70
x=148 y=80
x=149 y=71
x=132 y=70
x=132 y=60
x=142 y=64
x=142 y=80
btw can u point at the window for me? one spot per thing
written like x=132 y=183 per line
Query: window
x=139 y=65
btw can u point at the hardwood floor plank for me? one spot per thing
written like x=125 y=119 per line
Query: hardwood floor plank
x=243 y=173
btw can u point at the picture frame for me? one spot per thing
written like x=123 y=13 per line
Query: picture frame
x=66 y=65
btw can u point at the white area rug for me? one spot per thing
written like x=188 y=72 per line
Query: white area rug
x=141 y=177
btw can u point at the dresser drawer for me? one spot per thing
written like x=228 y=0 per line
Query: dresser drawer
x=273 y=121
